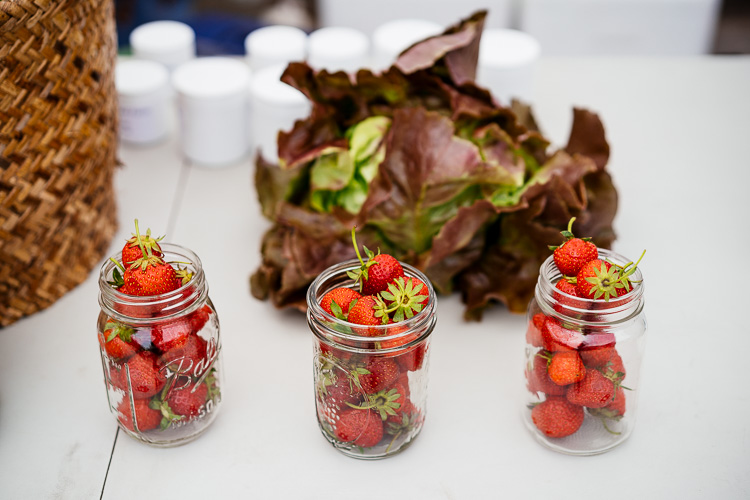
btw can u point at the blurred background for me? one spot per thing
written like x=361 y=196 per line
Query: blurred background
x=562 y=27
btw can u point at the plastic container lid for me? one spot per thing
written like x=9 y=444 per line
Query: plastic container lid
x=137 y=77
x=267 y=86
x=211 y=77
x=279 y=43
x=168 y=42
x=331 y=44
x=505 y=48
x=395 y=36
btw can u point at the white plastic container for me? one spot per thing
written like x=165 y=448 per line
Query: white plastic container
x=213 y=104
x=143 y=98
x=170 y=43
x=338 y=49
x=275 y=106
x=621 y=27
x=507 y=61
x=272 y=45
x=392 y=38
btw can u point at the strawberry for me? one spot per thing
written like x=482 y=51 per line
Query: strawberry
x=614 y=369
x=151 y=276
x=557 y=338
x=407 y=409
x=596 y=358
x=565 y=368
x=171 y=335
x=145 y=377
x=571 y=256
x=368 y=311
x=534 y=330
x=341 y=391
x=374 y=275
x=189 y=400
x=146 y=418
x=387 y=403
x=334 y=352
x=403 y=298
x=597 y=279
x=613 y=411
x=185 y=359
x=363 y=427
x=594 y=391
x=381 y=372
x=411 y=360
x=134 y=248
x=556 y=417
x=339 y=301
x=538 y=378
x=117 y=341
x=199 y=318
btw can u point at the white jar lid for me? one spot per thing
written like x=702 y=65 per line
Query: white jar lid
x=211 y=77
x=505 y=48
x=332 y=45
x=280 y=43
x=137 y=77
x=395 y=36
x=168 y=42
x=267 y=86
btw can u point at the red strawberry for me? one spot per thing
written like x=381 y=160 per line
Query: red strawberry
x=534 y=330
x=365 y=312
x=340 y=392
x=595 y=358
x=556 y=417
x=146 y=418
x=199 y=318
x=557 y=338
x=339 y=301
x=617 y=407
x=412 y=360
x=597 y=279
x=145 y=377
x=594 y=391
x=574 y=252
x=188 y=401
x=381 y=373
x=374 y=275
x=152 y=277
x=135 y=246
x=171 y=335
x=565 y=368
x=334 y=352
x=614 y=369
x=185 y=359
x=363 y=427
x=407 y=409
x=117 y=341
x=538 y=378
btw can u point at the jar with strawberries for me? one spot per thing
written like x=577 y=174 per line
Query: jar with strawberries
x=159 y=342
x=371 y=323
x=584 y=345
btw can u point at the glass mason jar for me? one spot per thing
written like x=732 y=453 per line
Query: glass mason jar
x=161 y=355
x=603 y=343
x=370 y=381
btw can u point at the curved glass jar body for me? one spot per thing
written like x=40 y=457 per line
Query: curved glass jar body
x=161 y=356
x=360 y=371
x=596 y=413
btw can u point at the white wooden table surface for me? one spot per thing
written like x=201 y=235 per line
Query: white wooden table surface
x=680 y=136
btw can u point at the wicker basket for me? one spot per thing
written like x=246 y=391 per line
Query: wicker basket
x=58 y=119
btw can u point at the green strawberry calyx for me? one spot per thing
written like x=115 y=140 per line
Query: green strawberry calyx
x=144 y=241
x=360 y=275
x=118 y=330
x=604 y=282
x=402 y=300
x=384 y=402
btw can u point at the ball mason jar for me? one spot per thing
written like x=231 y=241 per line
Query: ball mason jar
x=605 y=342
x=370 y=382
x=161 y=355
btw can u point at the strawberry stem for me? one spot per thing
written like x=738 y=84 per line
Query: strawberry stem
x=117 y=264
x=356 y=248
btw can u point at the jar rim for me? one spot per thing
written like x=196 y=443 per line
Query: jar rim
x=422 y=322
x=179 y=301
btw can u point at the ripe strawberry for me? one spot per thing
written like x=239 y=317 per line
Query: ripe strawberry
x=151 y=277
x=596 y=358
x=534 y=330
x=171 y=335
x=566 y=286
x=185 y=359
x=117 y=341
x=374 y=275
x=538 y=379
x=556 y=417
x=594 y=391
x=574 y=252
x=363 y=427
x=189 y=400
x=339 y=301
x=381 y=373
x=407 y=409
x=614 y=369
x=334 y=352
x=341 y=391
x=365 y=312
x=199 y=318
x=565 y=368
x=145 y=377
x=412 y=360
x=146 y=418
x=557 y=338
x=134 y=248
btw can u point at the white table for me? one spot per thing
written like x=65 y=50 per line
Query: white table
x=679 y=131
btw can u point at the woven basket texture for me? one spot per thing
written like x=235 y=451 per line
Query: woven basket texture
x=58 y=140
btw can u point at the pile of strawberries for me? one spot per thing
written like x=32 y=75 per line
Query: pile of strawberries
x=575 y=369
x=364 y=399
x=164 y=368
